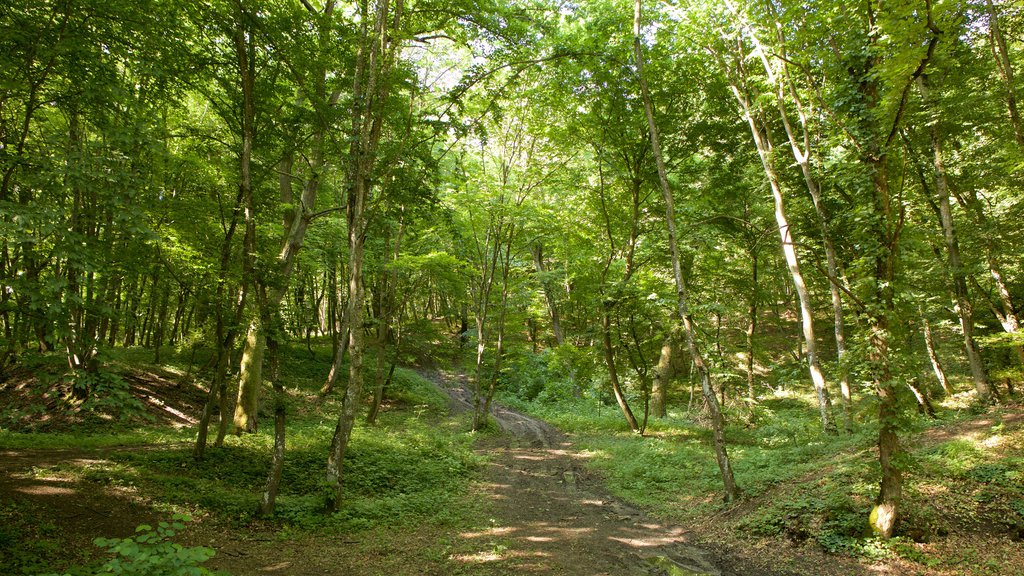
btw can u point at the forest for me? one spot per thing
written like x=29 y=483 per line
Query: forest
x=511 y=287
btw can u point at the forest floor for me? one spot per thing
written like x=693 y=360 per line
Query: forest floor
x=538 y=509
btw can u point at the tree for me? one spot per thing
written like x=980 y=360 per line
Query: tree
x=717 y=422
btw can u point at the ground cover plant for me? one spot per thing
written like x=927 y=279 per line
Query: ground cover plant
x=410 y=469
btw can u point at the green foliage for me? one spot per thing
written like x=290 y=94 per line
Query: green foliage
x=25 y=545
x=151 y=553
x=410 y=388
x=109 y=394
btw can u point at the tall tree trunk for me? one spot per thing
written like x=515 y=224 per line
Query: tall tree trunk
x=273 y=484
x=886 y=229
x=296 y=222
x=782 y=81
x=224 y=335
x=764 y=145
x=386 y=332
x=613 y=373
x=499 y=348
x=374 y=60
x=964 y=307
x=751 y=327
x=339 y=354
x=549 y=296
x=664 y=373
x=1005 y=70
x=732 y=491
x=251 y=371
x=933 y=357
x=354 y=389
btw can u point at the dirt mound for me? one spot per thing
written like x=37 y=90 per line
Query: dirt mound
x=513 y=423
x=40 y=398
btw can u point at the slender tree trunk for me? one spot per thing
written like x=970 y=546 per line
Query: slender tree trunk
x=933 y=357
x=339 y=355
x=280 y=411
x=732 y=491
x=224 y=335
x=370 y=89
x=802 y=155
x=1005 y=70
x=964 y=307
x=751 y=328
x=387 y=334
x=924 y=404
x=613 y=373
x=764 y=146
x=549 y=297
x=481 y=315
x=354 y=389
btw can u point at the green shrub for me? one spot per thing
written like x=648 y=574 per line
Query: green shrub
x=151 y=553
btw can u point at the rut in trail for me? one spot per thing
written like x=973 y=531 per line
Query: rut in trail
x=550 y=516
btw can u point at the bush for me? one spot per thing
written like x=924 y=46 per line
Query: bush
x=151 y=553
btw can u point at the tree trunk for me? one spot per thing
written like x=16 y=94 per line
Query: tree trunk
x=663 y=375
x=374 y=59
x=964 y=307
x=339 y=355
x=613 y=374
x=280 y=412
x=933 y=358
x=549 y=296
x=732 y=491
x=354 y=389
x=1005 y=70
x=251 y=371
x=751 y=327
x=763 y=143
x=886 y=511
x=250 y=376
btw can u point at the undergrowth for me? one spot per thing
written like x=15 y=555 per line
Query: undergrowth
x=411 y=468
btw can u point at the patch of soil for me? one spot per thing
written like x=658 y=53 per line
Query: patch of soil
x=56 y=517
x=1011 y=417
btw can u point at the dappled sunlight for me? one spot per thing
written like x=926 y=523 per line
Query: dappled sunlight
x=993 y=442
x=660 y=537
x=500 y=553
x=279 y=567
x=931 y=490
x=531 y=457
x=493 y=531
x=45 y=488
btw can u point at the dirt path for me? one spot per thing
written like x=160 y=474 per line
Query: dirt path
x=551 y=517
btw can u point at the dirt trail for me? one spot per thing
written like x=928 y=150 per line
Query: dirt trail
x=551 y=517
